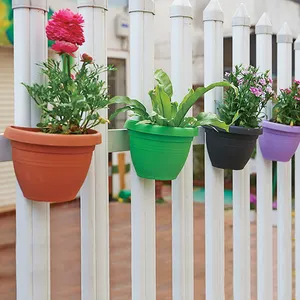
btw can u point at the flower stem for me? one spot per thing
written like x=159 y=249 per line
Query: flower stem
x=66 y=64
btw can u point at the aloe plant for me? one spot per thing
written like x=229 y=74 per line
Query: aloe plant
x=168 y=113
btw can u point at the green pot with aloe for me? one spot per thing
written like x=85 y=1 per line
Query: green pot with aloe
x=160 y=140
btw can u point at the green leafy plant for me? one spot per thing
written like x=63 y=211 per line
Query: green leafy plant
x=70 y=103
x=287 y=108
x=168 y=113
x=254 y=92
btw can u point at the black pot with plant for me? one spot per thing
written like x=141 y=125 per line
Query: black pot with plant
x=244 y=112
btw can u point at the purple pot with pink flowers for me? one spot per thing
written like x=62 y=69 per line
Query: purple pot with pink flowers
x=279 y=142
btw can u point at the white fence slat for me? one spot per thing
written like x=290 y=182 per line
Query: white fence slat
x=264 y=177
x=94 y=193
x=284 y=189
x=32 y=218
x=241 y=179
x=214 y=178
x=182 y=187
x=143 y=231
x=297 y=186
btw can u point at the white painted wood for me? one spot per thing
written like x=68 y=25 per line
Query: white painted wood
x=214 y=177
x=297 y=186
x=32 y=218
x=143 y=249
x=264 y=177
x=182 y=187
x=94 y=193
x=284 y=190
x=241 y=179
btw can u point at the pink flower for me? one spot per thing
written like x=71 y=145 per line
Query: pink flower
x=269 y=90
x=66 y=26
x=270 y=80
x=256 y=91
x=262 y=81
x=297 y=82
x=65 y=47
x=288 y=91
x=297 y=98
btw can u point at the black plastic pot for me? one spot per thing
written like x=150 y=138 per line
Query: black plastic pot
x=231 y=150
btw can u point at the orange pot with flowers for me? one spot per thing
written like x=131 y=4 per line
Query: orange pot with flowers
x=51 y=161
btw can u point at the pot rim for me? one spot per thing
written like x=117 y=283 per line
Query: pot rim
x=161 y=130
x=281 y=127
x=237 y=130
x=30 y=135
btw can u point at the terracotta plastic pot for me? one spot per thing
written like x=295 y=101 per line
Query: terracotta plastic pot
x=231 y=150
x=50 y=167
x=279 y=142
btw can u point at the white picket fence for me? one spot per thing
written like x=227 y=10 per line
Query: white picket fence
x=33 y=230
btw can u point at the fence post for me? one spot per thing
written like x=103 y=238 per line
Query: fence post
x=284 y=178
x=263 y=31
x=241 y=179
x=94 y=196
x=182 y=187
x=297 y=179
x=143 y=253
x=32 y=218
x=214 y=178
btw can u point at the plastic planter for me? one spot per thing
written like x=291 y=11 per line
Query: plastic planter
x=159 y=152
x=51 y=167
x=231 y=150
x=279 y=142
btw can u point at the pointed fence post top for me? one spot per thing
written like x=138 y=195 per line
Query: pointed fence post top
x=297 y=43
x=181 y=8
x=213 y=12
x=33 y=4
x=93 y=3
x=285 y=35
x=264 y=25
x=146 y=6
x=241 y=17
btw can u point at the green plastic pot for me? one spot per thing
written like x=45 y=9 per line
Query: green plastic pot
x=159 y=152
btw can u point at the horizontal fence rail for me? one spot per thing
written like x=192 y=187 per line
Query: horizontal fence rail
x=117 y=141
x=33 y=219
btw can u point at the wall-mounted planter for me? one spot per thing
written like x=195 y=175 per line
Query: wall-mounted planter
x=50 y=167
x=159 y=152
x=279 y=142
x=231 y=150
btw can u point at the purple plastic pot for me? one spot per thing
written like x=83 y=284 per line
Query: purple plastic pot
x=279 y=142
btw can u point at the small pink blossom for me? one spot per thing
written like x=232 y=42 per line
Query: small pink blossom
x=270 y=80
x=256 y=91
x=288 y=91
x=62 y=47
x=269 y=90
x=262 y=81
x=86 y=58
x=297 y=82
x=297 y=98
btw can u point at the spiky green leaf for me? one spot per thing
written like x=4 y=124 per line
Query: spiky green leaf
x=164 y=81
x=188 y=102
x=211 y=119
